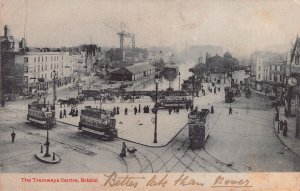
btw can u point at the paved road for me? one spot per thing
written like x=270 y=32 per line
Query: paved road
x=243 y=142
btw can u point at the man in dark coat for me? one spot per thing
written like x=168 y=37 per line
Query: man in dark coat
x=60 y=114
x=118 y=110
x=126 y=111
x=230 y=111
x=135 y=110
x=13 y=135
x=212 y=109
x=65 y=113
x=285 y=128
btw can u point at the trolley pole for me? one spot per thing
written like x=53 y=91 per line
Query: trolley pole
x=155 y=109
x=193 y=87
x=54 y=88
x=179 y=81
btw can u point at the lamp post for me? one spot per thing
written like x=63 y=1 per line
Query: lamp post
x=156 y=80
x=47 y=145
x=54 y=88
x=179 y=81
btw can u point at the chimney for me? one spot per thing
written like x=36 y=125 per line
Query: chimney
x=5 y=31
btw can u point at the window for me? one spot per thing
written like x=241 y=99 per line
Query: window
x=275 y=78
x=46 y=66
x=51 y=58
x=34 y=68
x=280 y=68
x=42 y=58
x=38 y=68
x=34 y=59
x=39 y=59
x=25 y=59
x=270 y=77
x=46 y=58
x=45 y=76
x=42 y=67
x=259 y=76
x=258 y=68
x=280 y=78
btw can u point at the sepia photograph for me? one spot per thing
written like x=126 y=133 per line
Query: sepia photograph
x=149 y=87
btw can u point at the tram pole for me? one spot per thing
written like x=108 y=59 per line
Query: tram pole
x=47 y=145
x=155 y=108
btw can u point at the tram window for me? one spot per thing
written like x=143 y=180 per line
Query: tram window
x=94 y=123
x=98 y=124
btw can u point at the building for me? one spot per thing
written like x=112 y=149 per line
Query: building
x=294 y=93
x=39 y=69
x=219 y=64
x=133 y=72
x=267 y=71
x=10 y=73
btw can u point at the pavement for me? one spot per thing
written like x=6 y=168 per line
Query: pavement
x=291 y=141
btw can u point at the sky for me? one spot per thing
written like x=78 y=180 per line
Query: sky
x=239 y=26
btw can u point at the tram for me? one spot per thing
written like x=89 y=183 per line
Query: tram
x=174 y=101
x=98 y=121
x=41 y=115
x=199 y=128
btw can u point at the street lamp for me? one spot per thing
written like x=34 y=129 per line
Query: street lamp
x=179 y=80
x=156 y=80
x=47 y=145
x=54 y=87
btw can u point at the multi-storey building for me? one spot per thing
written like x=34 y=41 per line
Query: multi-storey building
x=294 y=84
x=268 y=71
x=39 y=68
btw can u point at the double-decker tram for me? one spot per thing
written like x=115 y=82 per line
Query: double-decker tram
x=98 y=121
x=174 y=101
x=41 y=115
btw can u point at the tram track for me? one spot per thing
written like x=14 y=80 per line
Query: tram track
x=71 y=146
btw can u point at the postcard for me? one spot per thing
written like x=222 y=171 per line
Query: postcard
x=149 y=95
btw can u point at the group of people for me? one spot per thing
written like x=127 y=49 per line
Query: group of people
x=283 y=126
x=116 y=110
x=73 y=113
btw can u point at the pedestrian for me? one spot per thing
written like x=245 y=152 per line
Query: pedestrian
x=281 y=124
x=170 y=110
x=65 y=113
x=135 y=110
x=219 y=89
x=3 y=102
x=126 y=111
x=212 y=109
x=285 y=128
x=114 y=111
x=191 y=107
x=76 y=112
x=118 y=110
x=215 y=91
x=139 y=108
x=60 y=114
x=123 y=151
x=187 y=106
x=13 y=135
x=230 y=111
